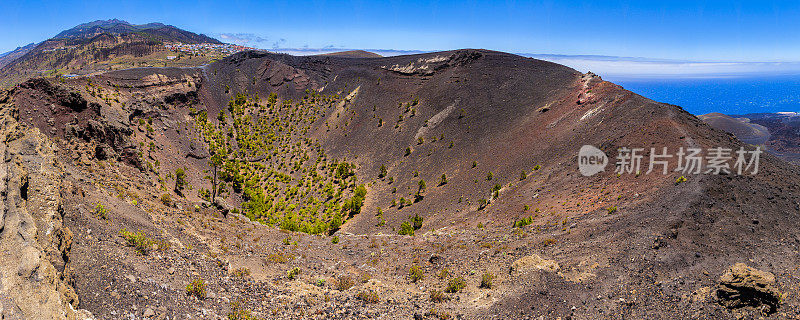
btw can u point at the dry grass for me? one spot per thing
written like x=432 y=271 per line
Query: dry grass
x=368 y=297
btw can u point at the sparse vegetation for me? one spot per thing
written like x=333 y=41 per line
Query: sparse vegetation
x=180 y=181
x=166 y=199
x=138 y=240
x=455 y=285
x=523 y=222
x=293 y=184
x=418 y=196
x=197 y=288
x=343 y=283
x=406 y=229
x=241 y=272
x=415 y=273
x=239 y=312
x=437 y=296
x=293 y=273
x=383 y=172
x=482 y=203
x=409 y=227
x=101 y=211
x=368 y=296
x=486 y=280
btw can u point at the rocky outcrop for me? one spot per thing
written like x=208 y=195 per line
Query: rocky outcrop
x=34 y=243
x=742 y=286
x=57 y=94
x=429 y=65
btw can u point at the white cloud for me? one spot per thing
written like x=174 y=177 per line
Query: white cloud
x=659 y=68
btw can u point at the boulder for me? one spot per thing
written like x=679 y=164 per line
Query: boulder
x=742 y=286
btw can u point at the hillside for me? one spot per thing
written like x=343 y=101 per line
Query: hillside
x=426 y=186
x=7 y=57
x=778 y=133
x=101 y=46
x=742 y=128
x=156 y=31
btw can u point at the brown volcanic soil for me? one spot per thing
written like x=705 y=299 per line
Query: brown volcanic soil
x=659 y=255
x=778 y=133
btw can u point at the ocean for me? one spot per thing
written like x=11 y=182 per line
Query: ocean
x=728 y=95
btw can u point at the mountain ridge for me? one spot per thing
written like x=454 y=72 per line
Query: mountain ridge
x=120 y=27
x=98 y=46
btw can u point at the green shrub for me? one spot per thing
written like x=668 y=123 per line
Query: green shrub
x=443 y=180
x=239 y=312
x=680 y=180
x=455 y=285
x=241 y=272
x=368 y=296
x=101 y=211
x=166 y=199
x=335 y=240
x=138 y=240
x=383 y=172
x=409 y=227
x=197 y=288
x=418 y=196
x=293 y=273
x=489 y=176
x=523 y=222
x=415 y=273
x=482 y=203
x=180 y=181
x=416 y=221
x=486 y=280
x=343 y=283
x=406 y=229
x=437 y=296
x=612 y=209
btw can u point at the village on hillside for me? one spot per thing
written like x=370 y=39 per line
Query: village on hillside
x=205 y=48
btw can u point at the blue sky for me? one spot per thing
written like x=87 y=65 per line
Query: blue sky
x=684 y=30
